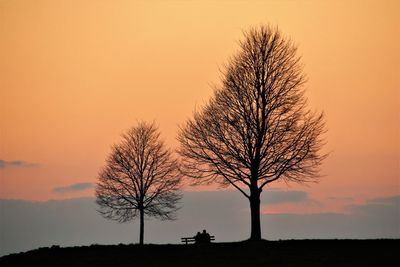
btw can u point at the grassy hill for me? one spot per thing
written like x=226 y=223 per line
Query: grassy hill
x=264 y=253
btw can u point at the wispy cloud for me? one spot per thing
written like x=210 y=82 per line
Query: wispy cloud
x=15 y=164
x=281 y=196
x=73 y=188
x=377 y=206
x=378 y=218
x=348 y=199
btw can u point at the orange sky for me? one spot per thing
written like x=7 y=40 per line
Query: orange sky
x=75 y=74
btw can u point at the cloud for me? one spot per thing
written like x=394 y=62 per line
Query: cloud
x=348 y=199
x=73 y=188
x=386 y=200
x=280 y=197
x=27 y=225
x=378 y=206
x=15 y=164
x=377 y=218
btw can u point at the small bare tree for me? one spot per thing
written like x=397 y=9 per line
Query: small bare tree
x=140 y=178
x=256 y=128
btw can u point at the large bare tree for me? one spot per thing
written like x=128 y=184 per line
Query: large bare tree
x=140 y=178
x=256 y=129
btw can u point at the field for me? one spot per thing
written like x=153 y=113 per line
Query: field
x=264 y=253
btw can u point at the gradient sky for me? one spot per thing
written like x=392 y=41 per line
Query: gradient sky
x=75 y=74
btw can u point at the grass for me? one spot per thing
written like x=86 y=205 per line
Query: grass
x=264 y=253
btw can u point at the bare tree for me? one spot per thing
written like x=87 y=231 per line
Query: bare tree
x=140 y=178
x=256 y=129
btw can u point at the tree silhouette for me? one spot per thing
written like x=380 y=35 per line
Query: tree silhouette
x=140 y=178
x=256 y=128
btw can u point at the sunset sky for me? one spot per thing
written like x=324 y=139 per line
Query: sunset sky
x=75 y=74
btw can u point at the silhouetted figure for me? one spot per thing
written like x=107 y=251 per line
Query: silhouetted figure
x=197 y=238
x=205 y=237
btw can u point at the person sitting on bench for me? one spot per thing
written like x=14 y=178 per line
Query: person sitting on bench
x=197 y=238
x=206 y=237
x=202 y=238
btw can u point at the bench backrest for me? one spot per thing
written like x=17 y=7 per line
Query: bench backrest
x=192 y=239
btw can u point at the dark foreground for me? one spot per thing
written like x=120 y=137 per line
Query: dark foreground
x=264 y=253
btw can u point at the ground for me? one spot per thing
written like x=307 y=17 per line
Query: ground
x=264 y=253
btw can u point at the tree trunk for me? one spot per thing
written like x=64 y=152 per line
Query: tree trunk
x=141 y=226
x=255 y=216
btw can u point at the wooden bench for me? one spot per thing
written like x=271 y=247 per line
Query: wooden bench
x=188 y=240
